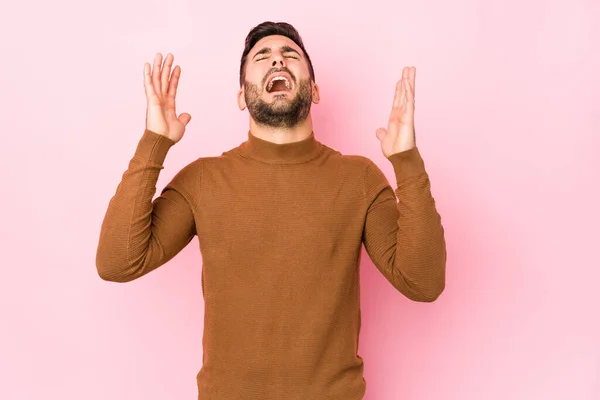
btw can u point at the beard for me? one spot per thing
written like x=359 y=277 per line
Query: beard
x=282 y=112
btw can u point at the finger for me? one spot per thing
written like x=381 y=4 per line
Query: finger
x=410 y=101
x=398 y=95
x=405 y=91
x=174 y=82
x=165 y=73
x=156 y=74
x=185 y=118
x=410 y=84
x=169 y=98
x=410 y=92
x=398 y=112
x=148 y=81
x=380 y=133
x=402 y=98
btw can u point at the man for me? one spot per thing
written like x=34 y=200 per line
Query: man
x=280 y=221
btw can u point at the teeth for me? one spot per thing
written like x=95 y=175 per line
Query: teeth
x=278 y=78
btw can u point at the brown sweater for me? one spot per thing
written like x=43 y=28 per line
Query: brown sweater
x=280 y=229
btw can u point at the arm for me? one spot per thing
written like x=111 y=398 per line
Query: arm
x=405 y=238
x=138 y=235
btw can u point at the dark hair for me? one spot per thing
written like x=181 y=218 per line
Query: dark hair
x=267 y=29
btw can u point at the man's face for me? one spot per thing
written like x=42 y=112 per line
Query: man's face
x=277 y=89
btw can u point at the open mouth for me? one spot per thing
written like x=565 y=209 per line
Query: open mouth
x=279 y=83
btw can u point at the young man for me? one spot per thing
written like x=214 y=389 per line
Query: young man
x=280 y=221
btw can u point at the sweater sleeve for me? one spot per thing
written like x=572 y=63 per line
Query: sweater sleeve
x=138 y=235
x=403 y=233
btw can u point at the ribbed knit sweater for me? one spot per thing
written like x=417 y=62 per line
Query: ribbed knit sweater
x=280 y=229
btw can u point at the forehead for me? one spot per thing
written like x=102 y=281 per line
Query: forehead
x=274 y=41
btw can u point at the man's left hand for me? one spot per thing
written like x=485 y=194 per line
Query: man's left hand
x=400 y=134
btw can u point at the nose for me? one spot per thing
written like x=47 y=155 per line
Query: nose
x=278 y=60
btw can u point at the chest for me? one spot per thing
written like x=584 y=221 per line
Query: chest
x=282 y=206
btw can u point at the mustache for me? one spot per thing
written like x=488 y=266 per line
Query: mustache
x=275 y=70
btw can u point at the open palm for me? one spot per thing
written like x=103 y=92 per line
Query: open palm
x=400 y=133
x=161 y=89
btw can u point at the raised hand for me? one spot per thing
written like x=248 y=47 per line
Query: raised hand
x=161 y=88
x=400 y=134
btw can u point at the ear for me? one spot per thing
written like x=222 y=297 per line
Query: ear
x=241 y=99
x=316 y=97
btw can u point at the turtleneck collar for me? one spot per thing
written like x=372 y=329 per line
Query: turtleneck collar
x=285 y=153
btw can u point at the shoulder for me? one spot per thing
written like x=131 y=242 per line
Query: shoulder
x=357 y=163
x=354 y=161
x=365 y=172
x=205 y=164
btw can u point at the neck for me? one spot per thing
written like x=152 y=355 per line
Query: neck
x=295 y=133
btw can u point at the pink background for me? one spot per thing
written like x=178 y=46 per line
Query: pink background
x=507 y=120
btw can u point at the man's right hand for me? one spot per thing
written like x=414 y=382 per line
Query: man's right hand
x=161 y=88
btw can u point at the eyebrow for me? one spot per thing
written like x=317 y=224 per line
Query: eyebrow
x=283 y=49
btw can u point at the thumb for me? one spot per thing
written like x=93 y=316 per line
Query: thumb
x=380 y=133
x=184 y=118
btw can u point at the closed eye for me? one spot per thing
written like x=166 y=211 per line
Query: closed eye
x=287 y=52
x=287 y=56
